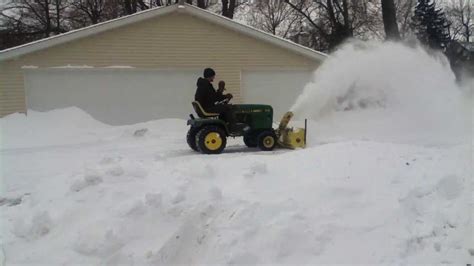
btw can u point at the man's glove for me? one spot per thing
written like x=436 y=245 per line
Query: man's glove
x=221 y=87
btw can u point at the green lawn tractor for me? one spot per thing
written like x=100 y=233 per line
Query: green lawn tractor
x=208 y=133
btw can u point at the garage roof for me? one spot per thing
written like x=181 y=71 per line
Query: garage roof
x=155 y=12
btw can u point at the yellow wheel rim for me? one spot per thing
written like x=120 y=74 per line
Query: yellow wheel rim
x=213 y=141
x=268 y=141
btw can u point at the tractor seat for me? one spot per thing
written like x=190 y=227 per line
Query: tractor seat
x=201 y=112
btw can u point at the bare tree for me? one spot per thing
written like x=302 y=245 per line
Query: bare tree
x=44 y=17
x=461 y=15
x=91 y=10
x=14 y=32
x=404 y=15
x=201 y=4
x=325 y=21
x=333 y=21
x=273 y=16
x=390 y=20
x=133 y=6
x=156 y=3
x=228 y=8
x=86 y=12
x=204 y=4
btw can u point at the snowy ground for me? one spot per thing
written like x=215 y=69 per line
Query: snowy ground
x=75 y=191
x=386 y=179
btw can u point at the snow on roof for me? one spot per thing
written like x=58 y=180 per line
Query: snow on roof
x=155 y=12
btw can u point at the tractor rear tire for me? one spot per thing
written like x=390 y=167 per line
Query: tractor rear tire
x=267 y=140
x=191 y=138
x=211 y=140
x=250 y=141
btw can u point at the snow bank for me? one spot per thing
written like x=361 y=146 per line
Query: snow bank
x=385 y=92
x=127 y=202
x=145 y=199
x=73 y=126
x=58 y=127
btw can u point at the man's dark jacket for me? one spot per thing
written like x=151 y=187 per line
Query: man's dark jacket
x=206 y=95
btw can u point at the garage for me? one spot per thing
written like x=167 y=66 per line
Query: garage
x=279 y=88
x=113 y=96
x=144 y=66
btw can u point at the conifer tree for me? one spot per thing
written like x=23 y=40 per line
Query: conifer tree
x=430 y=25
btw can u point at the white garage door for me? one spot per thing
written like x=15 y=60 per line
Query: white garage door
x=114 y=96
x=278 y=88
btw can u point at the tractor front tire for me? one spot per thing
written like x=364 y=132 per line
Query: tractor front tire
x=267 y=140
x=191 y=138
x=211 y=140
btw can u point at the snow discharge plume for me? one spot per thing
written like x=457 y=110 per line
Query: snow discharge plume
x=385 y=92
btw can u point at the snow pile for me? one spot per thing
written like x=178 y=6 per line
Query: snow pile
x=60 y=127
x=146 y=199
x=385 y=92
x=72 y=126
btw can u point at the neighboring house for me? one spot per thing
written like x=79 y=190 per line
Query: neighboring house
x=144 y=66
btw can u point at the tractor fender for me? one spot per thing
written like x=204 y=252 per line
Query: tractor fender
x=201 y=122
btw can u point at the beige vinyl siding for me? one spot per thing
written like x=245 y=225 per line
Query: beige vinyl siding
x=174 y=41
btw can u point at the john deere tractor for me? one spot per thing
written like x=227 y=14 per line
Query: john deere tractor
x=208 y=133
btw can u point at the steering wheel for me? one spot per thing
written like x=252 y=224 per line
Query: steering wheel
x=226 y=100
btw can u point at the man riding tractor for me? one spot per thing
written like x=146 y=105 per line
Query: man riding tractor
x=213 y=101
x=217 y=120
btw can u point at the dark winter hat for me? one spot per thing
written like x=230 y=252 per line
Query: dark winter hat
x=209 y=72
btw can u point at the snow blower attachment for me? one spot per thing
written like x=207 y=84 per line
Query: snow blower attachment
x=254 y=122
x=291 y=138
